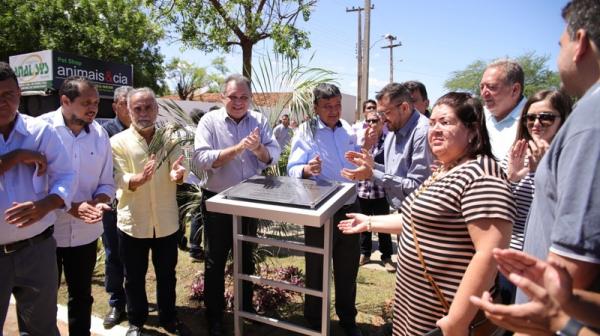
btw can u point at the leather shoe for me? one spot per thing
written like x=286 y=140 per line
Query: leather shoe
x=134 y=331
x=177 y=327
x=351 y=329
x=115 y=316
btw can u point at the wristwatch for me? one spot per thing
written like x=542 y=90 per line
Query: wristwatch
x=572 y=328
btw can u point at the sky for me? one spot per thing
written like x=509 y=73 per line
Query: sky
x=438 y=37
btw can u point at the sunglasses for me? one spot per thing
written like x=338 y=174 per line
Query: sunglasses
x=372 y=121
x=546 y=119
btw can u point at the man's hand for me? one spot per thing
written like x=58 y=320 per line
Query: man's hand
x=177 y=170
x=364 y=162
x=24 y=156
x=146 y=175
x=89 y=212
x=538 y=280
x=312 y=168
x=27 y=213
x=252 y=141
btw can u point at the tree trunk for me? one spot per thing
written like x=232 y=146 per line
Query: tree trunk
x=247 y=59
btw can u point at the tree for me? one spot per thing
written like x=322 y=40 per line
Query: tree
x=212 y=25
x=108 y=30
x=537 y=75
x=188 y=77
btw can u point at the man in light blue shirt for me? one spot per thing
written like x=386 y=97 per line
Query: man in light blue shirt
x=501 y=88
x=283 y=132
x=77 y=231
x=36 y=177
x=317 y=152
x=407 y=158
x=231 y=144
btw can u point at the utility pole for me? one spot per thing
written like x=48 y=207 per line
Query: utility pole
x=359 y=98
x=366 y=49
x=391 y=46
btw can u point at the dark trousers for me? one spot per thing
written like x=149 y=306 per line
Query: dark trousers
x=134 y=253
x=78 y=265
x=196 y=234
x=113 y=267
x=374 y=207
x=30 y=275
x=345 y=253
x=218 y=241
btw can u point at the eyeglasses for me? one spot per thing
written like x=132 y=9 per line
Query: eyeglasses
x=370 y=107
x=372 y=121
x=546 y=119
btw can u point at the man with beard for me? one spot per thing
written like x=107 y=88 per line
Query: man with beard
x=407 y=158
x=147 y=214
x=35 y=178
x=77 y=231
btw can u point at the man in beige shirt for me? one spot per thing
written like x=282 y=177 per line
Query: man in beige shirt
x=147 y=214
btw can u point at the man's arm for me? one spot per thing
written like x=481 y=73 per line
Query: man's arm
x=12 y=158
x=398 y=187
x=583 y=273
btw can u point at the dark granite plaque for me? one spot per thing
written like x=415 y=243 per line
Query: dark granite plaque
x=282 y=190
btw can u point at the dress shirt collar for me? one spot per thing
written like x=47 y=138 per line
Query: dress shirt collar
x=410 y=124
x=321 y=124
x=515 y=114
x=20 y=126
x=224 y=116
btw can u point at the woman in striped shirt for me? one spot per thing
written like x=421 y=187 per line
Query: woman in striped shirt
x=448 y=226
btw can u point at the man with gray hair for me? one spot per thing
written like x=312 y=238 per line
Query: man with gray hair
x=232 y=144
x=113 y=267
x=501 y=89
x=147 y=214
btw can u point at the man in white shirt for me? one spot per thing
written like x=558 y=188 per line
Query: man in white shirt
x=501 y=89
x=77 y=231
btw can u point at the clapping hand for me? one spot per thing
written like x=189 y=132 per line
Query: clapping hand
x=252 y=141
x=313 y=167
x=364 y=162
x=546 y=284
x=517 y=167
x=177 y=170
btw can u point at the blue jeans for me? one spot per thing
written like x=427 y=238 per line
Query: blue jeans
x=113 y=267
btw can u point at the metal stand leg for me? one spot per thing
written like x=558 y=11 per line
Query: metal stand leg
x=237 y=270
x=327 y=237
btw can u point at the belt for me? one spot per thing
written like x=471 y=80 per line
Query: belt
x=16 y=246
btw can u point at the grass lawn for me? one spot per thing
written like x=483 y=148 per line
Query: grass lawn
x=375 y=291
